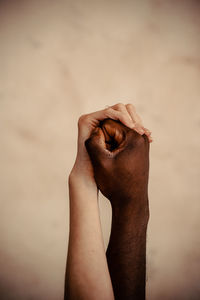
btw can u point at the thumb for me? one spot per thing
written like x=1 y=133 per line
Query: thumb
x=96 y=147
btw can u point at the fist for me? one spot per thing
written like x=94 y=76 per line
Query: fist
x=120 y=159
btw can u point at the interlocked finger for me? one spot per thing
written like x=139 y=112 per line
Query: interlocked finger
x=132 y=112
x=138 y=121
x=123 y=108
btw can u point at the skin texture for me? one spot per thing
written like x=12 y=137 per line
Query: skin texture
x=87 y=274
x=86 y=263
x=120 y=159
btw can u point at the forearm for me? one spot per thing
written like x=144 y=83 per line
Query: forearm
x=126 y=253
x=87 y=275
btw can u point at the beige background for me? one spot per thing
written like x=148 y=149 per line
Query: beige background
x=60 y=59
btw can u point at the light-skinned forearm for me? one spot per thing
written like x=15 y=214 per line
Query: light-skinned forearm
x=87 y=275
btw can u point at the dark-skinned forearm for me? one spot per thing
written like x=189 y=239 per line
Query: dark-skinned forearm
x=126 y=253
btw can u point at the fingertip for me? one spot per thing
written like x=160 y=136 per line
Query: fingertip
x=139 y=130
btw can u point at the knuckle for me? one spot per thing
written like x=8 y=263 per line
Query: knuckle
x=120 y=105
x=140 y=142
x=83 y=119
x=136 y=139
x=108 y=110
x=131 y=106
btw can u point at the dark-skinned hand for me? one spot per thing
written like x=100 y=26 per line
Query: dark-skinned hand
x=120 y=158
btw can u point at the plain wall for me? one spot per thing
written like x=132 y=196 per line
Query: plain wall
x=60 y=59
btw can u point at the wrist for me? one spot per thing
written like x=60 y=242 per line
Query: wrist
x=80 y=184
x=134 y=210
